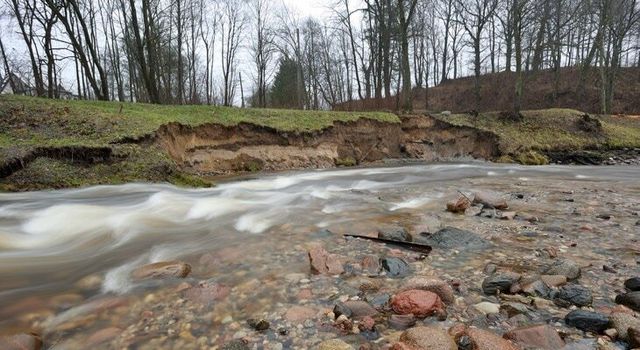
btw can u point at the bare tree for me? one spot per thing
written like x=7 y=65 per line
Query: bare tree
x=232 y=26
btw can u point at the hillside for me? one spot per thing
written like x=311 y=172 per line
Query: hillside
x=497 y=92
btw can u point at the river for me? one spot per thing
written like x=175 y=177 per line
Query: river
x=60 y=250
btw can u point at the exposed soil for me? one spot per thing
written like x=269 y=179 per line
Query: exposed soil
x=216 y=149
x=76 y=154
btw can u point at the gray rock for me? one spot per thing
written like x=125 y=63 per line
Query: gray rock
x=587 y=321
x=633 y=284
x=564 y=267
x=499 y=282
x=630 y=300
x=398 y=234
x=573 y=294
x=536 y=288
x=451 y=237
x=395 y=267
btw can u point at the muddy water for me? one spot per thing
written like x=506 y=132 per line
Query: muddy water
x=66 y=256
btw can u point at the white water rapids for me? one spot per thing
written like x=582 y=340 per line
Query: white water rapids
x=49 y=240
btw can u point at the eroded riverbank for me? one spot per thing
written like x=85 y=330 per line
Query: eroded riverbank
x=67 y=259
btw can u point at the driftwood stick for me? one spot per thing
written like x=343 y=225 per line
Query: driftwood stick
x=416 y=247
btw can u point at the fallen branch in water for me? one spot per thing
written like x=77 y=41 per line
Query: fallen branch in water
x=416 y=247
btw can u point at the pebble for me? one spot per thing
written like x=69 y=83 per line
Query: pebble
x=564 y=267
x=633 y=284
x=573 y=294
x=164 y=269
x=536 y=337
x=499 y=282
x=334 y=344
x=622 y=322
x=587 y=321
x=425 y=338
x=419 y=303
x=630 y=300
x=395 y=267
x=487 y=308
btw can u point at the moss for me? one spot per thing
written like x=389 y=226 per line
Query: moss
x=552 y=130
x=531 y=158
x=346 y=162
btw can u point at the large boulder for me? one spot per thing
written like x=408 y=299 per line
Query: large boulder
x=536 y=336
x=420 y=303
x=425 y=338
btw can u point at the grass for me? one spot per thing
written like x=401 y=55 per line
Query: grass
x=28 y=121
x=551 y=130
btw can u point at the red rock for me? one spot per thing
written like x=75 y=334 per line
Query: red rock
x=537 y=336
x=371 y=264
x=442 y=288
x=324 y=263
x=420 y=303
x=207 y=292
x=165 y=269
x=304 y=294
x=425 y=338
x=103 y=335
x=459 y=205
x=367 y=323
x=22 y=341
x=300 y=313
x=485 y=340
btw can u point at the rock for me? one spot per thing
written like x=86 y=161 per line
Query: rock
x=396 y=234
x=334 y=344
x=426 y=338
x=573 y=294
x=367 y=323
x=420 y=303
x=454 y=238
x=103 y=336
x=371 y=264
x=473 y=210
x=165 y=269
x=90 y=282
x=442 y=288
x=630 y=300
x=299 y=314
x=487 y=308
x=501 y=282
x=402 y=322
x=479 y=339
x=395 y=267
x=324 y=263
x=459 y=205
x=206 y=292
x=507 y=215
x=513 y=309
x=536 y=288
x=634 y=337
x=355 y=309
x=22 y=341
x=587 y=321
x=564 y=267
x=622 y=322
x=238 y=344
x=258 y=325
x=554 y=280
x=537 y=336
x=490 y=200
x=633 y=284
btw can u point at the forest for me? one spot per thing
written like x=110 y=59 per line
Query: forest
x=259 y=53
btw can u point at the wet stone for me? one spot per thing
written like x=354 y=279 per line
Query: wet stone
x=564 y=267
x=622 y=322
x=536 y=288
x=258 y=325
x=165 y=269
x=442 y=288
x=355 y=309
x=587 y=321
x=634 y=337
x=454 y=238
x=21 y=341
x=236 y=345
x=402 y=322
x=630 y=300
x=573 y=294
x=536 y=336
x=207 y=292
x=633 y=284
x=554 y=280
x=334 y=344
x=490 y=200
x=425 y=338
x=395 y=267
x=499 y=282
x=398 y=234
x=419 y=303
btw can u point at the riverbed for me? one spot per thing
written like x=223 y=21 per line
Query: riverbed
x=67 y=257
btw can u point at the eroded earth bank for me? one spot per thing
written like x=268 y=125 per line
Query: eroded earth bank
x=523 y=258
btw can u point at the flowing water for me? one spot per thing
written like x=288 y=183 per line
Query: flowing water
x=60 y=250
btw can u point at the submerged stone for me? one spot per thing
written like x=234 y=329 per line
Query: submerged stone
x=395 y=267
x=451 y=237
